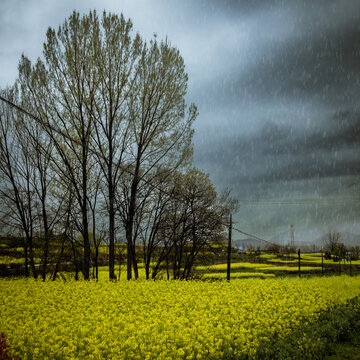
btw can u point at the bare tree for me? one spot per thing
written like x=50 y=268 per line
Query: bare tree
x=331 y=243
x=59 y=90
x=17 y=173
x=162 y=135
x=193 y=220
x=114 y=64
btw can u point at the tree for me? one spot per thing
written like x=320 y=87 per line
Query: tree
x=355 y=252
x=104 y=96
x=17 y=173
x=331 y=245
x=114 y=66
x=160 y=132
x=59 y=91
x=50 y=204
x=193 y=220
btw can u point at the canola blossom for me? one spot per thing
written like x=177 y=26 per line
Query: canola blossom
x=255 y=266
x=7 y=260
x=160 y=319
x=234 y=275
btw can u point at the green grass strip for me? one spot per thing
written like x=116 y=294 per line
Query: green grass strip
x=315 y=341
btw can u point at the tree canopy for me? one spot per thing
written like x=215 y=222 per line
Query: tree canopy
x=111 y=146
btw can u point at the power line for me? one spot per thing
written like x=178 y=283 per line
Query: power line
x=321 y=201
x=58 y=131
x=252 y=236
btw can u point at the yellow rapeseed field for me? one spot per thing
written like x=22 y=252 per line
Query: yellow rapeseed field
x=234 y=275
x=160 y=319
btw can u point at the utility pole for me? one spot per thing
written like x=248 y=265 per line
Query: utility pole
x=229 y=250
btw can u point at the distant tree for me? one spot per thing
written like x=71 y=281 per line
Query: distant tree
x=340 y=251
x=355 y=252
x=331 y=245
x=274 y=248
x=194 y=219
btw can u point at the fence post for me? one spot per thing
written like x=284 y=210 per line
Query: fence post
x=299 y=263
x=322 y=261
x=229 y=251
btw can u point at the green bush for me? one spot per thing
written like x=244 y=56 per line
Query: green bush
x=316 y=340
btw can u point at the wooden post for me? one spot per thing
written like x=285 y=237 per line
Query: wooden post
x=229 y=251
x=299 y=263
x=322 y=262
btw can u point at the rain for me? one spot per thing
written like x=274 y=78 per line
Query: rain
x=276 y=84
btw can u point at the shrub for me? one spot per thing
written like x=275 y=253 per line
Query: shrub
x=316 y=340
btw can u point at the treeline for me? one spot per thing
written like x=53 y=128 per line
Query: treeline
x=100 y=149
x=337 y=251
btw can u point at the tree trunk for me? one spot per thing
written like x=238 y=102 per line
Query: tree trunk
x=59 y=259
x=26 y=257
x=147 y=271
x=85 y=224
x=31 y=255
x=46 y=240
x=128 y=255
x=111 y=221
x=136 y=271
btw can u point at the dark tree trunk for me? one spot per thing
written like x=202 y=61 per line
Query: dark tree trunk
x=85 y=223
x=31 y=255
x=57 y=265
x=111 y=219
x=46 y=241
x=131 y=252
x=128 y=255
x=27 y=274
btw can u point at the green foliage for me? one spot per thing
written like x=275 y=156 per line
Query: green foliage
x=316 y=340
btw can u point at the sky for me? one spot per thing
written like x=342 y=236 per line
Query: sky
x=277 y=88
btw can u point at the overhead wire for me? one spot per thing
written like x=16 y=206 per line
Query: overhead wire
x=126 y=169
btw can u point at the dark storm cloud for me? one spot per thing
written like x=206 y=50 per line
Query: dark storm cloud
x=322 y=66
x=299 y=76
x=276 y=83
x=313 y=50
x=281 y=152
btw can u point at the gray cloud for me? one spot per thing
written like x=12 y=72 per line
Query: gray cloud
x=276 y=83
x=281 y=152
